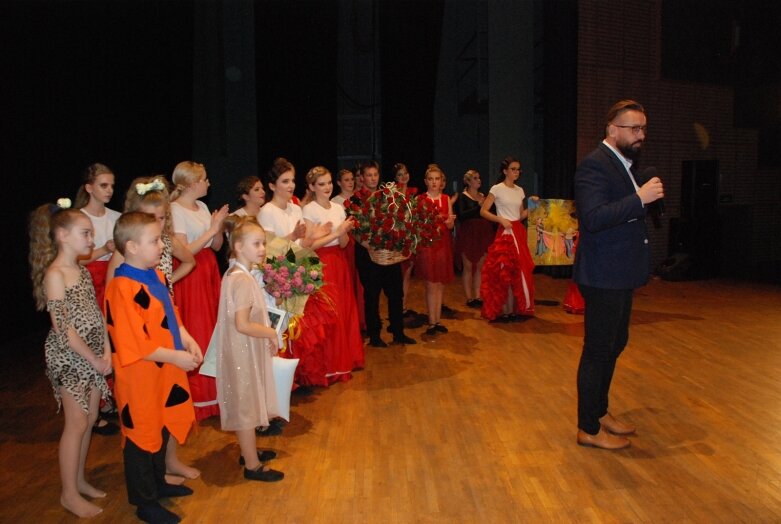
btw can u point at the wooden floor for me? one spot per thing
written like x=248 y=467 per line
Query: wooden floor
x=479 y=426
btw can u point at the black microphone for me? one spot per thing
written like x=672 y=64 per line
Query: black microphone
x=647 y=174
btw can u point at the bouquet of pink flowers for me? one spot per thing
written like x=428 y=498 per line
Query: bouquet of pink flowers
x=287 y=277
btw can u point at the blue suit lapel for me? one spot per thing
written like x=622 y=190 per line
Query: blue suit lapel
x=618 y=167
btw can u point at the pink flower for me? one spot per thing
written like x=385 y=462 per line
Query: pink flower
x=314 y=274
x=309 y=288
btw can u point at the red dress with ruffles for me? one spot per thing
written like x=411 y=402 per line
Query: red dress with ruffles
x=434 y=263
x=198 y=297
x=508 y=264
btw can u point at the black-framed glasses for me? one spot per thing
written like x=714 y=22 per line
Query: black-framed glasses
x=635 y=129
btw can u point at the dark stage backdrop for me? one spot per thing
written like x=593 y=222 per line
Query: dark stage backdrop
x=84 y=82
x=295 y=53
x=409 y=58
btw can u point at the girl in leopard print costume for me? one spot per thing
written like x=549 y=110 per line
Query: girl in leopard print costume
x=78 y=355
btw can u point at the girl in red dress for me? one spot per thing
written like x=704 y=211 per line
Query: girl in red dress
x=343 y=349
x=434 y=263
x=507 y=285
x=93 y=195
x=198 y=294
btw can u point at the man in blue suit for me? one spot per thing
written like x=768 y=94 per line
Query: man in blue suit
x=612 y=260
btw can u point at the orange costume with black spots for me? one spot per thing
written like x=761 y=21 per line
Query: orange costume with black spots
x=150 y=395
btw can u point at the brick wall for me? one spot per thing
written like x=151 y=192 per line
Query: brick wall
x=619 y=56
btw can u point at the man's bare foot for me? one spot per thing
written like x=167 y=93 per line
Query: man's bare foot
x=182 y=470
x=87 y=489
x=176 y=480
x=79 y=506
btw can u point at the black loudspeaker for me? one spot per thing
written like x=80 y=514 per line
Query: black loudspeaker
x=699 y=189
x=695 y=250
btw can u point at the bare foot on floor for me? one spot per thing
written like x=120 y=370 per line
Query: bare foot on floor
x=79 y=506
x=182 y=470
x=87 y=489
x=176 y=480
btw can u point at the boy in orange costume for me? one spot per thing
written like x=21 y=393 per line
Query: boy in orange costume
x=151 y=353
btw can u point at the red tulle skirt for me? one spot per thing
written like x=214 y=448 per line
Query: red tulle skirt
x=435 y=262
x=508 y=266
x=473 y=238
x=198 y=298
x=573 y=300
x=98 y=270
x=349 y=255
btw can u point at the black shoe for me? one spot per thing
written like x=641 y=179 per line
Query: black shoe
x=403 y=339
x=431 y=331
x=439 y=327
x=156 y=514
x=377 y=342
x=501 y=319
x=263 y=475
x=447 y=312
x=410 y=313
x=268 y=431
x=172 y=490
x=473 y=303
x=263 y=456
x=479 y=302
x=106 y=429
x=515 y=317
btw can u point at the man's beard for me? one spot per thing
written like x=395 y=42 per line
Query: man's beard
x=629 y=152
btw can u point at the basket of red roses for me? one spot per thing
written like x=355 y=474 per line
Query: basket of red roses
x=391 y=227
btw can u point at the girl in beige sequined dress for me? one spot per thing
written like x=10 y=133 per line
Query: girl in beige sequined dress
x=245 y=344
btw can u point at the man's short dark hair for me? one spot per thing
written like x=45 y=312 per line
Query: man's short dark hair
x=622 y=106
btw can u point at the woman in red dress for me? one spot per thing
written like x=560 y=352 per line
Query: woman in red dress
x=507 y=285
x=343 y=347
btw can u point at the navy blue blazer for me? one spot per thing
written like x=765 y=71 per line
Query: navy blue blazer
x=613 y=250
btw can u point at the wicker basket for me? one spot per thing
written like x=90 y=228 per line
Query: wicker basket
x=383 y=257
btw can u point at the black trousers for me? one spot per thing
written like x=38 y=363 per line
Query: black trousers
x=374 y=279
x=144 y=472
x=607 y=332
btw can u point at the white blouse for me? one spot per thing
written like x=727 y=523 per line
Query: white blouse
x=508 y=201
x=281 y=222
x=104 y=228
x=317 y=214
x=191 y=224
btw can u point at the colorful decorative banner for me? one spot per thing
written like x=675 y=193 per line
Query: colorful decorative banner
x=552 y=231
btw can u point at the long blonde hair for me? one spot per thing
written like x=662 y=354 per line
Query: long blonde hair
x=90 y=175
x=155 y=196
x=45 y=220
x=186 y=174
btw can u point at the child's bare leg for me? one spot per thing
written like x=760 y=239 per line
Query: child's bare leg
x=85 y=488
x=249 y=448
x=478 y=276
x=174 y=466
x=467 y=277
x=439 y=289
x=431 y=302
x=76 y=424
